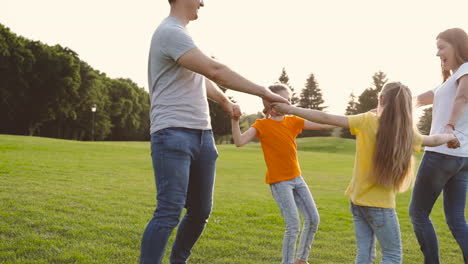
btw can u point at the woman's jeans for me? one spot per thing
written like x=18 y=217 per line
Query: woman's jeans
x=184 y=165
x=290 y=196
x=381 y=223
x=439 y=172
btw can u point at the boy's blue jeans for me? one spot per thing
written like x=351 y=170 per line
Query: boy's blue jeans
x=184 y=162
x=439 y=172
x=381 y=223
x=293 y=196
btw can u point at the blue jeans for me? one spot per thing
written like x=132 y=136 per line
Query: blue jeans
x=381 y=223
x=291 y=195
x=439 y=172
x=184 y=163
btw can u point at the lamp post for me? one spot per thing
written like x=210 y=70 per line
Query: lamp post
x=93 y=109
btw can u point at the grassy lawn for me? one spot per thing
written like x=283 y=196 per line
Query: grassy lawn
x=89 y=202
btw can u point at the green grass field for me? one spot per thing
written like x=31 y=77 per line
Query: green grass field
x=89 y=202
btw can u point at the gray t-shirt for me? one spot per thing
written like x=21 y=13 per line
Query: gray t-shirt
x=178 y=95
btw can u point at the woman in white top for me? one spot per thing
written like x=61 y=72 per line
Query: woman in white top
x=445 y=168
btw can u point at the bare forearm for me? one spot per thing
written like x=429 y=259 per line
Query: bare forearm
x=440 y=139
x=437 y=139
x=314 y=125
x=318 y=116
x=423 y=99
x=198 y=62
x=241 y=139
x=321 y=126
x=214 y=93
x=236 y=133
x=309 y=114
x=228 y=78
x=459 y=106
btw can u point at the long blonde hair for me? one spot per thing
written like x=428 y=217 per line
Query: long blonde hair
x=392 y=161
x=458 y=38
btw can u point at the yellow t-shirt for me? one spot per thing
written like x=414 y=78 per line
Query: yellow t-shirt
x=361 y=190
x=278 y=140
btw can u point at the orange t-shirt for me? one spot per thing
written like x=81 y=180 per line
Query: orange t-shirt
x=278 y=140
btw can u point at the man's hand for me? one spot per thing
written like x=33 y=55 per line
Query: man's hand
x=270 y=97
x=233 y=110
x=281 y=108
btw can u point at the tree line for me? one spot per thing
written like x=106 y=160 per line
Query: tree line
x=48 y=91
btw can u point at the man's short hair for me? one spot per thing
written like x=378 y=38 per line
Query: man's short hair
x=171 y=1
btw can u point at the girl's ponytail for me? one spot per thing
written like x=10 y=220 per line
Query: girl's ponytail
x=392 y=161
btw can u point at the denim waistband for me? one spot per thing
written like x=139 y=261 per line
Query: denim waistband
x=190 y=129
x=185 y=129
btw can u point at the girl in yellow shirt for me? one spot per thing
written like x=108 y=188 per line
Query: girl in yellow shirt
x=277 y=134
x=383 y=166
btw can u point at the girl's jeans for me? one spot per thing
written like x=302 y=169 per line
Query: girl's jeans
x=381 y=223
x=290 y=196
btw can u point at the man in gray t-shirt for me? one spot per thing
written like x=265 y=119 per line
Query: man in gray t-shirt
x=178 y=95
x=182 y=147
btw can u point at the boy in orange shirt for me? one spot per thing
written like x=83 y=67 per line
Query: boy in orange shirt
x=277 y=134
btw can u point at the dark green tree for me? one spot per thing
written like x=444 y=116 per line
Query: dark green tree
x=54 y=83
x=125 y=110
x=368 y=99
x=311 y=98
x=142 y=132
x=424 y=124
x=93 y=90
x=351 y=109
x=220 y=120
x=16 y=62
x=284 y=79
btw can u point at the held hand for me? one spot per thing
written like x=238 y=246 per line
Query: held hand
x=270 y=97
x=233 y=110
x=236 y=112
x=281 y=108
x=454 y=143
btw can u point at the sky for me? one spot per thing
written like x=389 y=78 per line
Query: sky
x=343 y=43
